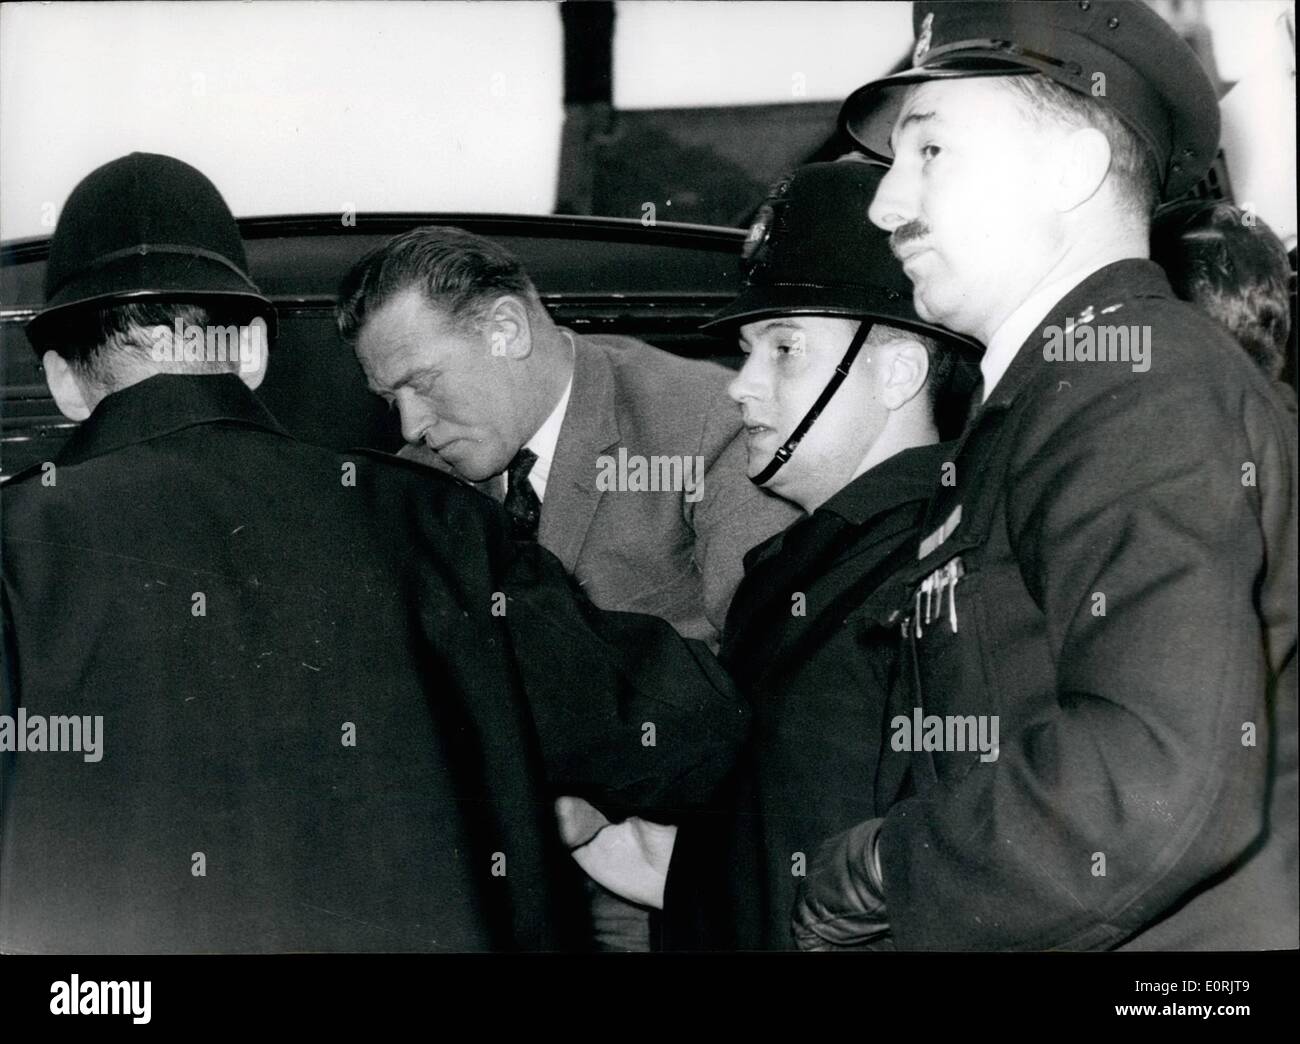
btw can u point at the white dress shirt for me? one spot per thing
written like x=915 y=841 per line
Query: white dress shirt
x=545 y=438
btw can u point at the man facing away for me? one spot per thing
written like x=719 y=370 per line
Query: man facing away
x=260 y=696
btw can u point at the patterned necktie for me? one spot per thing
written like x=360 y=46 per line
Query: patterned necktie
x=522 y=503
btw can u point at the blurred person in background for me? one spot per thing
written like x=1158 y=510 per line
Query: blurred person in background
x=1229 y=263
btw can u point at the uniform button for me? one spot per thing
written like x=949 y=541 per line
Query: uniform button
x=1112 y=23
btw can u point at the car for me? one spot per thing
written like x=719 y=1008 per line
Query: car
x=658 y=281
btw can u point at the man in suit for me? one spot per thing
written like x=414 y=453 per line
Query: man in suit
x=630 y=454
x=1110 y=578
x=260 y=696
x=621 y=459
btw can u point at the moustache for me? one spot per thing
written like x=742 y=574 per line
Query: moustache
x=905 y=234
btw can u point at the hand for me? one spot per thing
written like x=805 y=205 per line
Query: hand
x=841 y=903
x=579 y=821
x=629 y=858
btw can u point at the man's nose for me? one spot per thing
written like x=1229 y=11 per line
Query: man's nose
x=749 y=382
x=892 y=206
x=417 y=417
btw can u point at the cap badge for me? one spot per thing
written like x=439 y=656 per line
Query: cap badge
x=923 y=40
x=757 y=232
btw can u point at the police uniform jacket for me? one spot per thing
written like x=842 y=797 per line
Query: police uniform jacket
x=802 y=644
x=1113 y=574
x=332 y=718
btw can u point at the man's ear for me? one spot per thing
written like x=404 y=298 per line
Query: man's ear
x=904 y=367
x=253 y=353
x=1081 y=161
x=510 y=328
x=67 y=391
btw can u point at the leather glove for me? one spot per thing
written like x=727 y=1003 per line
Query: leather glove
x=841 y=903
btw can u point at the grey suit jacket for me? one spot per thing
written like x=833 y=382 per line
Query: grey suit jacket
x=673 y=553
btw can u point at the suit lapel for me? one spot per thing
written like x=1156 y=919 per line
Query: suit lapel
x=590 y=428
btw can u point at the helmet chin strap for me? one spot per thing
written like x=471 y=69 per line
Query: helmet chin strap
x=801 y=429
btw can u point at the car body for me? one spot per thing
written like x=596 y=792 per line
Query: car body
x=658 y=282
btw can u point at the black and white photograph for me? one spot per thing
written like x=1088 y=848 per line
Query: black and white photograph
x=659 y=484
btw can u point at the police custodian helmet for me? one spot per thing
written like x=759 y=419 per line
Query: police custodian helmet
x=814 y=251
x=1118 y=51
x=144 y=228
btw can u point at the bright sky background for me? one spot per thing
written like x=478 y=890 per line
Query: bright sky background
x=701 y=52
x=316 y=107
x=288 y=107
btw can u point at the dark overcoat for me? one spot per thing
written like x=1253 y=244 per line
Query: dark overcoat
x=803 y=645
x=1113 y=576
x=336 y=700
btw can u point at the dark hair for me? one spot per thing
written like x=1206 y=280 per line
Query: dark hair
x=943 y=362
x=99 y=343
x=1229 y=263
x=1131 y=161
x=457 y=271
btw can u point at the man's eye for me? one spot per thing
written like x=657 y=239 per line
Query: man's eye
x=930 y=151
x=790 y=348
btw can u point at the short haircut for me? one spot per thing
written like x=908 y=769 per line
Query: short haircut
x=102 y=344
x=1230 y=264
x=1132 y=164
x=950 y=381
x=942 y=358
x=458 y=272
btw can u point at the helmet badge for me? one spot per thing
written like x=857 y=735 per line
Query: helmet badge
x=758 y=231
x=923 y=40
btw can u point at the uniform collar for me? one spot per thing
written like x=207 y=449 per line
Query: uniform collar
x=161 y=405
x=910 y=474
x=1006 y=342
x=1105 y=289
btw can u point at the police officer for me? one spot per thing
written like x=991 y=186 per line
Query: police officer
x=1111 y=576
x=838 y=394
x=331 y=692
